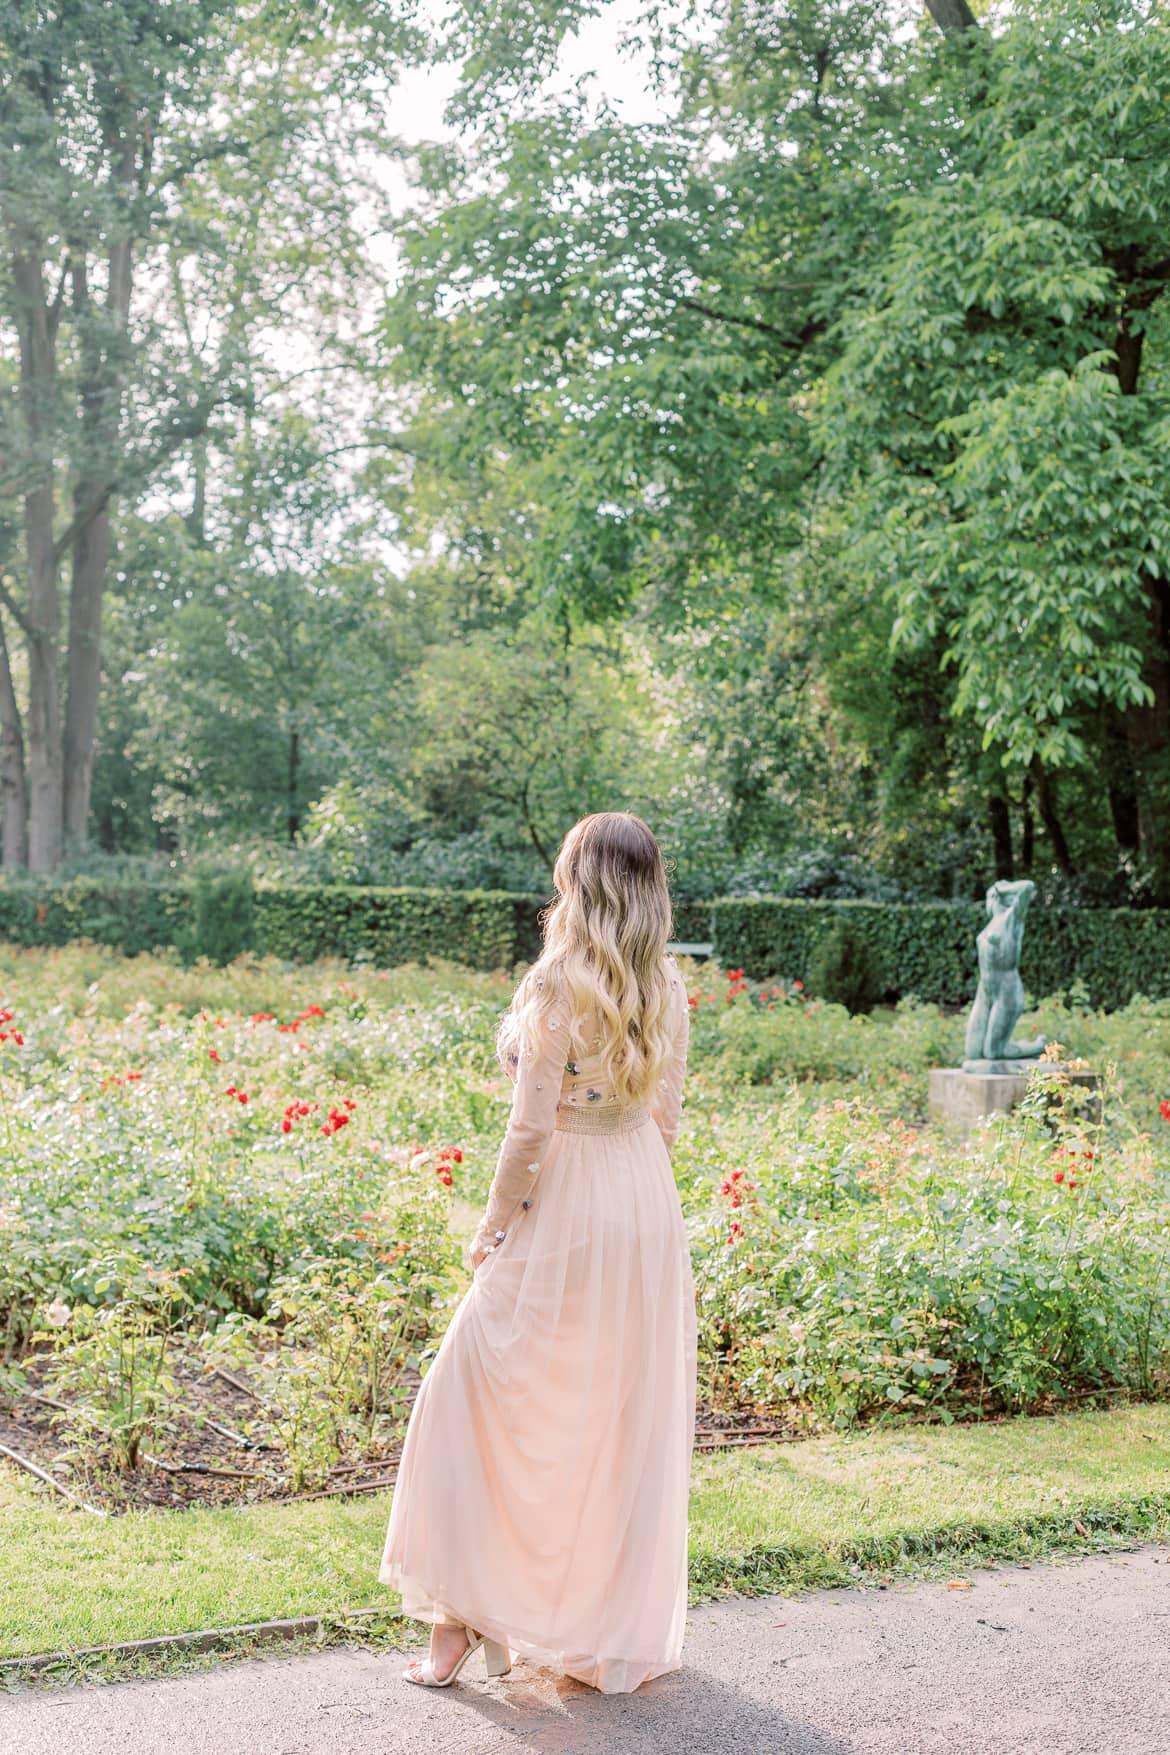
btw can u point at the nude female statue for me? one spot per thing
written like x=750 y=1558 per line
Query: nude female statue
x=1000 y=996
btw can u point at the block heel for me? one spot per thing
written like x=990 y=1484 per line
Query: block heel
x=497 y=1658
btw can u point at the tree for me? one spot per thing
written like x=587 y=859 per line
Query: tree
x=808 y=345
x=248 y=671
x=118 y=124
x=996 y=425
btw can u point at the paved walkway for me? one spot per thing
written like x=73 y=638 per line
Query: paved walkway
x=1055 y=1660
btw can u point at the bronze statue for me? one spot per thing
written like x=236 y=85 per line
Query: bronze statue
x=1000 y=997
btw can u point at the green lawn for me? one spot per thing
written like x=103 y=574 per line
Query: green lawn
x=782 y=1517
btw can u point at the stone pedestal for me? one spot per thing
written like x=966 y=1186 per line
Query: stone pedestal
x=960 y=1099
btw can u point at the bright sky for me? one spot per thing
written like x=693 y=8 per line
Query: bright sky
x=594 y=49
x=422 y=94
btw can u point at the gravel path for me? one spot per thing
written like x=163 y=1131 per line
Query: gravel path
x=1067 y=1659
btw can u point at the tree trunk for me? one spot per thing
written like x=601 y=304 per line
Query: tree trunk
x=103 y=362
x=1027 y=828
x=952 y=14
x=91 y=553
x=1147 y=727
x=1121 y=784
x=14 y=827
x=1148 y=732
x=1046 y=805
x=1001 y=835
x=294 y=813
x=37 y=393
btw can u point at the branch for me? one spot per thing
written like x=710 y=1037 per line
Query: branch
x=1155 y=281
x=17 y=611
x=139 y=468
x=221 y=149
x=810 y=331
x=58 y=303
x=370 y=445
x=952 y=14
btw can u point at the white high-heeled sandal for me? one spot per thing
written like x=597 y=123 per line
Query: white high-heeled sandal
x=422 y=1670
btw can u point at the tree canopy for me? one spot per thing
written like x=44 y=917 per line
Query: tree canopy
x=790 y=467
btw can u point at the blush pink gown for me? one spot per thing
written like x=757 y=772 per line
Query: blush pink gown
x=542 y=1493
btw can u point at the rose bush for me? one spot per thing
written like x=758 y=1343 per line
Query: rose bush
x=299 y=1152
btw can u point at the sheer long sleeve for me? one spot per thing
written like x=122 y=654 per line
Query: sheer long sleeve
x=666 y=1106
x=530 y=1128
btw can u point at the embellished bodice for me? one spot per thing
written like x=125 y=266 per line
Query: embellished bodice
x=584 y=1081
x=587 y=1101
x=563 y=1088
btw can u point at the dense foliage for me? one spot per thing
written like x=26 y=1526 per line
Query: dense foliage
x=851 y=379
x=217 y=918
x=788 y=465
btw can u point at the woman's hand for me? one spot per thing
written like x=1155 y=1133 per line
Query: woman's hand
x=479 y=1252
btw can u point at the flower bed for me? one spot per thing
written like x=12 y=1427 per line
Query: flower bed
x=232 y=1204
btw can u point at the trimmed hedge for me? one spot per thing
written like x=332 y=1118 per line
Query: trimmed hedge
x=487 y=929
x=132 y=917
x=928 y=948
x=922 y=948
x=693 y=924
x=220 y=917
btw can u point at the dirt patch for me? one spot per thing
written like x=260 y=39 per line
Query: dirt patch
x=214 y=1448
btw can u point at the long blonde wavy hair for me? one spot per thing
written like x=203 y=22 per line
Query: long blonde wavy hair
x=604 y=954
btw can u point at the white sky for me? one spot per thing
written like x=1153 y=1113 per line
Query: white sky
x=620 y=76
x=595 y=48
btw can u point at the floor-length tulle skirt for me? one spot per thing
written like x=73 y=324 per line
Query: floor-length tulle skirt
x=542 y=1493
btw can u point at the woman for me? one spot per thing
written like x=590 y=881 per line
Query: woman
x=541 y=1503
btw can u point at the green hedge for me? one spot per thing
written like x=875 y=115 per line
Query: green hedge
x=132 y=917
x=928 y=948
x=488 y=929
x=693 y=923
x=220 y=917
x=924 y=948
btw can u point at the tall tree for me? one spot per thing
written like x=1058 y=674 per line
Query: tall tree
x=873 y=327
x=996 y=425
x=115 y=120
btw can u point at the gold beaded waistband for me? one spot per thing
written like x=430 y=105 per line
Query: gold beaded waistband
x=608 y=1120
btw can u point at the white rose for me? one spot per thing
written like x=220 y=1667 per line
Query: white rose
x=58 y=1314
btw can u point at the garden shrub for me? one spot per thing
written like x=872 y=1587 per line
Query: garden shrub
x=132 y=917
x=851 y=951
x=486 y=929
x=853 y=1266
x=220 y=922
x=219 y=916
x=842 y=968
x=928 y=948
x=291 y=1176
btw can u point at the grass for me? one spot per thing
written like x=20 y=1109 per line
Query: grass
x=919 y=1499
x=910 y=1500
